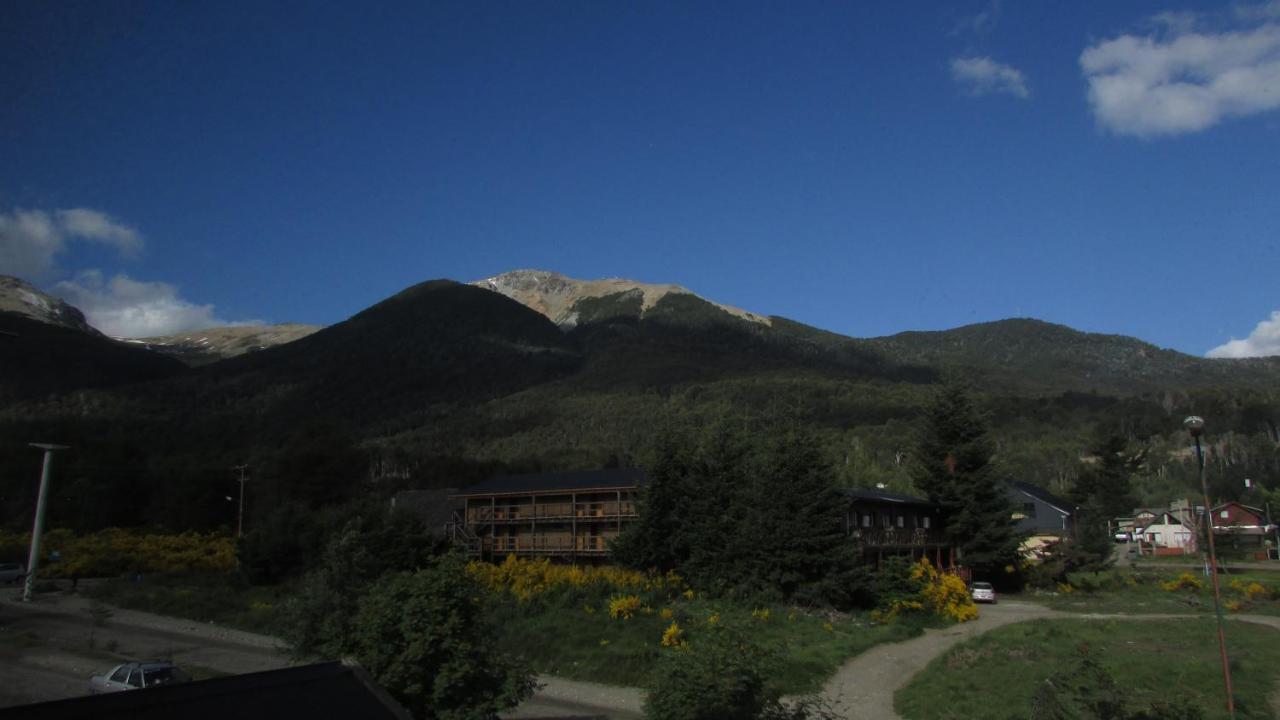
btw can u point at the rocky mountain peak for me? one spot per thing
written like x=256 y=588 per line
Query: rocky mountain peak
x=555 y=295
x=21 y=297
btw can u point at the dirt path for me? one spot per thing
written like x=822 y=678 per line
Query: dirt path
x=50 y=647
x=864 y=687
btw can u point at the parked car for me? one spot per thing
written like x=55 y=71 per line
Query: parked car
x=11 y=573
x=136 y=676
x=983 y=592
x=1124 y=537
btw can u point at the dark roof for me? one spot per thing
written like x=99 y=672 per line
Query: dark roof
x=886 y=497
x=557 y=482
x=1045 y=496
x=331 y=689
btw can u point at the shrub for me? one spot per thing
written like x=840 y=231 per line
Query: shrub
x=424 y=637
x=623 y=607
x=673 y=636
x=1185 y=581
x=927 y=590
x=721 y=676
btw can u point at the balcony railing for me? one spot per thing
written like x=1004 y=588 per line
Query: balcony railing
x=582 y=545
x=585 y=512
x=896 y=537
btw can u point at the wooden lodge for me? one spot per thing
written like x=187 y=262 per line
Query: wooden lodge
x=574 y=515
x=885 y=524
x=570 y=515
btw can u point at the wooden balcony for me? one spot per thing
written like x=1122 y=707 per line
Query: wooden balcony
x=539 y=545
x=581 y=512
x=896 y=537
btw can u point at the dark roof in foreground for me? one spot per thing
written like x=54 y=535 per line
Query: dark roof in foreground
x=618 y=478
x=886 y=497
x=323 y=690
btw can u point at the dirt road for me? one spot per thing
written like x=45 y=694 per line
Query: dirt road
x=50 y=647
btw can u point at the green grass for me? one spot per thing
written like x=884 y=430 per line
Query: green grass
x=220 y=599
x=581 y=645
x=995 y=675
x=1135 y=592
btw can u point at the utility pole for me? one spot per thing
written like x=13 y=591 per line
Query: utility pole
x=33 y=559
x=240 y=515
x=1195 y=426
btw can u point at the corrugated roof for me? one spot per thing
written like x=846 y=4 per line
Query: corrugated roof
x=611 y=479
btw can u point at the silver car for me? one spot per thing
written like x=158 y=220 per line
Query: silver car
x=136 y=676
x=11 y=573
x=983 y=592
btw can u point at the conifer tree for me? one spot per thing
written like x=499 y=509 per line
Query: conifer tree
x=1102 y=492
x=796 y=534
x=953 y=468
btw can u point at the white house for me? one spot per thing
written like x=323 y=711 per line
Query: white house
x=1167 y=530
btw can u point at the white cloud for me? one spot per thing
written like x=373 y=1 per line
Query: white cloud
x=1264 y=340
x=981 y=23
x=124 y=307
x=32 y=240
x=1186 y=81
x=984 y=76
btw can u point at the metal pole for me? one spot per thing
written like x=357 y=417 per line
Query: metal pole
x=240 y=514
x=33 y=558
x=1213 y=569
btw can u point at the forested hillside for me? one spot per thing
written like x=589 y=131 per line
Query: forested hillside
x=445 y=383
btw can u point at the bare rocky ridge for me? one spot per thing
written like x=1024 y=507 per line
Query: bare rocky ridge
x=201 y=347
x=21 y=297
x=556 y=296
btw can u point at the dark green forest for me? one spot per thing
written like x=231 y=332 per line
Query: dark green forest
x=445 y=384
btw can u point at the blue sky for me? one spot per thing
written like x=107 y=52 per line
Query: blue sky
x=868 y=170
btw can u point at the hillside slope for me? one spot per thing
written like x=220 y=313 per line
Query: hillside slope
x=22 y=298
x=202 y=347
x=1032 y=356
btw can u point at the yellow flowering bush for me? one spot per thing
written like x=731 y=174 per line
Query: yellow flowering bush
x=666 y=613
x=1185 y=581
x=761 y=614
x=1066 y=588
x=940 y=594
x=623 y=607
x=1255 y=591
x=673 y=636
x=945 y=595
x=713 y=618
x=527 y=579
x=115 y=551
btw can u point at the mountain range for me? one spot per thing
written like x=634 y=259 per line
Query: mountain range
x=447 y=382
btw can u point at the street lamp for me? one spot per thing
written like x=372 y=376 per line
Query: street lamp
x=33 y=558
x=1195 y=426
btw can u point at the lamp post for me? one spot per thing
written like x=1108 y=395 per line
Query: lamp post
x=1195 y=426
x=33 y=558
x=240 y=514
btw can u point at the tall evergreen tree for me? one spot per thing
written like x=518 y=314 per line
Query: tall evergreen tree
x=1102 y=492
x=953 y=468
x=798 y=545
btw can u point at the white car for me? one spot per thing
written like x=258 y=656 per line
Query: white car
x=983 y=592
x=136 y=676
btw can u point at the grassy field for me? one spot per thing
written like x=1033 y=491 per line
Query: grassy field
x=995 y=675
x=582 y=645
x=1144 y=591
x=224 y=599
